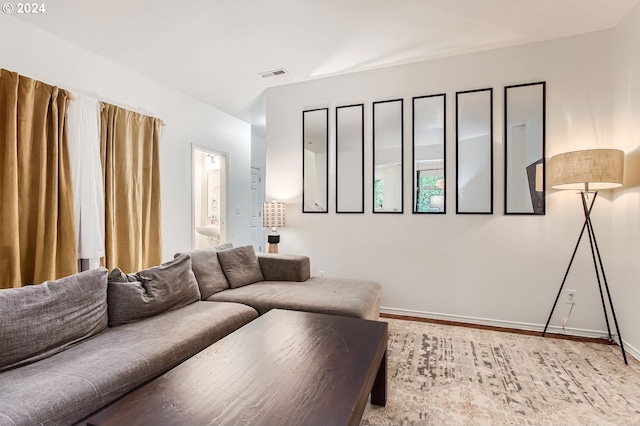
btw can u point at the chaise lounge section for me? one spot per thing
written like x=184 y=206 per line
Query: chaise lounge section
x=281 y=281
x=349 y=298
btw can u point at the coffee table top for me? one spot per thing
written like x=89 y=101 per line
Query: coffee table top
x=284 y=368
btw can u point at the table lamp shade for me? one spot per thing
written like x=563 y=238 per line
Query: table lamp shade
x=598 y=168
x=273 y=214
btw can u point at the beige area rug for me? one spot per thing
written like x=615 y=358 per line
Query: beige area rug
x=446 y=375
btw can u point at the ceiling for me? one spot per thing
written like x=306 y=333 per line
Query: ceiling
x=213 y=50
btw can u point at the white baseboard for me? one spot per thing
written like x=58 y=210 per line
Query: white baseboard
x=510 y=324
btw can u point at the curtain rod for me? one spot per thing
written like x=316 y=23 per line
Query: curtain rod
x=73 y=96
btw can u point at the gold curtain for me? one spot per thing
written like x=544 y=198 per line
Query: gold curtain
x=130 y=162
x=37 y=226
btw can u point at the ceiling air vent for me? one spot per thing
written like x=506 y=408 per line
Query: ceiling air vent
x=279 y=71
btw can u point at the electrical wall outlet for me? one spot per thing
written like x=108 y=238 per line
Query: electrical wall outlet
x=322 y=273
x=570 y=295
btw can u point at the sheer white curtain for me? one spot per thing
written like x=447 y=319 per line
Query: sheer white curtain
x=88 y=191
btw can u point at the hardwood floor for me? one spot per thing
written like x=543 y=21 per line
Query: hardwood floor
x=603 y=341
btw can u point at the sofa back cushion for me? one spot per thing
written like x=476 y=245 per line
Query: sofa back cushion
x=207 y=270
x=240 y=266
x=152 y=291
x=38 y=321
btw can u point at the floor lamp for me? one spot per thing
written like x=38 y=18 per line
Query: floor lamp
x=273 y=215
x=589 y=171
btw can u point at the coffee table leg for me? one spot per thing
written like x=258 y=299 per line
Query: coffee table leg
x=379 y=390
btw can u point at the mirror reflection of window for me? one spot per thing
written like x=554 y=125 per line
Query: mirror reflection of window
x=430 y=187
x=378 y=194
x=429 y=137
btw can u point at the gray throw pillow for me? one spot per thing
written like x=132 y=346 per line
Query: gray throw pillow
x=120 y=277
x=169 y=286
x=38 y=321
x=207 y=270
x=240 y=266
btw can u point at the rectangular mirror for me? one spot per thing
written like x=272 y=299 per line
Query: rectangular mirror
x=524 y=133
x=388 y=134
x=350 y=159
x=315 y=161
x=474 y=152
x=429 y=139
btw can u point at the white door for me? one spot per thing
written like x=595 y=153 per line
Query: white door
x=257 y=198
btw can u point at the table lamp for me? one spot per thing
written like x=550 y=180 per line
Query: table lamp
x=273 y=216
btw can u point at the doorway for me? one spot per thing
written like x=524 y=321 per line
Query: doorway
x=209 y=197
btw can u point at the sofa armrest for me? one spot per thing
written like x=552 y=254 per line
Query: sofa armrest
x=284 y=267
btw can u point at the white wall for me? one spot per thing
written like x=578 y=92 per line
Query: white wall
x=503 y=270
x=474 y=174
x=316 y=172
x=625 y=275
x=258 y=150
x=42 y=56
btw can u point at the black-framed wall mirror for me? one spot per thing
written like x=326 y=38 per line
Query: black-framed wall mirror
x=388 y=135
x=350 y=159
x=524 y=144
x=315 y=161
x=474 y=151
x=429 y=154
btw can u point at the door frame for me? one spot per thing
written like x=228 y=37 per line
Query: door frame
x=225 y=208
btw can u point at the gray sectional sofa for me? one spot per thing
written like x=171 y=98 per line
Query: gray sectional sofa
x=70 y=347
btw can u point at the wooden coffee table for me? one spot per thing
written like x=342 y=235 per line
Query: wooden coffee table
x=284 y=368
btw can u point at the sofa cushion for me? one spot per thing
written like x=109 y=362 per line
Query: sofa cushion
x=323 y=295
x=240 y=266
x=67 y=387
x=284 y=267
x=159 y=289
x=207 y=270
x=41 y=320
x=116 y=275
